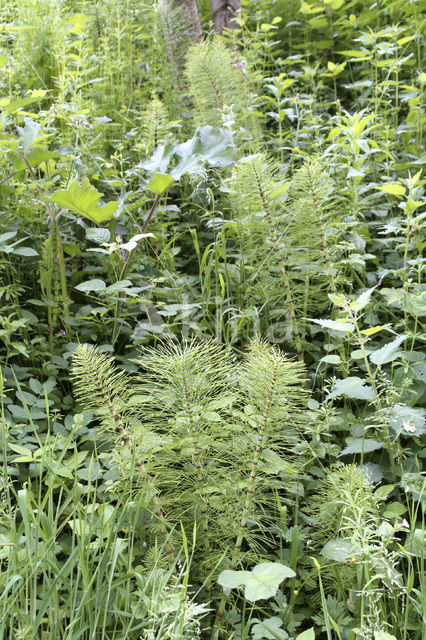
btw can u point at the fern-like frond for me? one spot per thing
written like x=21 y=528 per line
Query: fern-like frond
x=258 y=208
x=99 y=386
x=178 y=33
x=214 y=81
x=155 y=124
x=312 y=237
x=270 y=379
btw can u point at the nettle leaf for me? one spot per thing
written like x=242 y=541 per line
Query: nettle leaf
x=352 y=387
x=363 y=300
x=91 y=285
x=393 y=189
x=359 y=445
x=335 y=325
x=270 y=629
x=388 y=352
x=85 y=202
x=407 y=421
x=414 y=483
x=260 y=583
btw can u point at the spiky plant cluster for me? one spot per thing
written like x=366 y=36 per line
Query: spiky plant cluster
x=204 y=430
x=179 y=390
x=179 y=35
x=343 y=493
x=311 y=234
x=101 y=387
x=351 y=532
x=258 y=208
x=214 y=81
x=155 y=124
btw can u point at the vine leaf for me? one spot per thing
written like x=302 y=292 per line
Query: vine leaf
x=260 y=583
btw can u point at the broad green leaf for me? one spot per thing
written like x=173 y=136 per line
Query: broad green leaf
x=383 y=491
x=99 y=235
x=91 y=285
x=229 y=579
x=359 y=445
x=23 y=451
x=388 y=352
x=10 y=106
x=29 y=133
x=269 y=629
x=339 y=550
x=372 y=330
x=352 y=387
x=28 y=252
x=383 y=635
x=209 y=147
x=406 y=421
x=393 y=189
x=260 y=583
x=85 y=202
x=335 y=325
x=121 y=285
x=394 y=510
x=415 y=483
x=309 y=634
x=332 y=359
x=80 y=527
x=160 y=183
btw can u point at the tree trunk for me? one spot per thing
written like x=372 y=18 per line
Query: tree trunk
x=191 y=7
x=223 y=12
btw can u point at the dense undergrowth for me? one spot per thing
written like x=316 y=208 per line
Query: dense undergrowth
x=211 y=343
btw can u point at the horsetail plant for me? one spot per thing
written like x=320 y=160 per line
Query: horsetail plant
x=256 y=194
x=99 y=386
x=273 y=387
x=309 y=216
x=178 y=385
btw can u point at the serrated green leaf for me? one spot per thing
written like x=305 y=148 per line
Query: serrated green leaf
x=393 y=189
x=335 y=325
x=352 y=387
x=85 y=202
x=388 y=352
x=360 y=445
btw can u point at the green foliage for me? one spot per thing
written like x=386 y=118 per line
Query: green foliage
x=275 y=177
x=215 y=82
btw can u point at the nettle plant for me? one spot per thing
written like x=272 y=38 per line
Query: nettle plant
x=206 y=438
